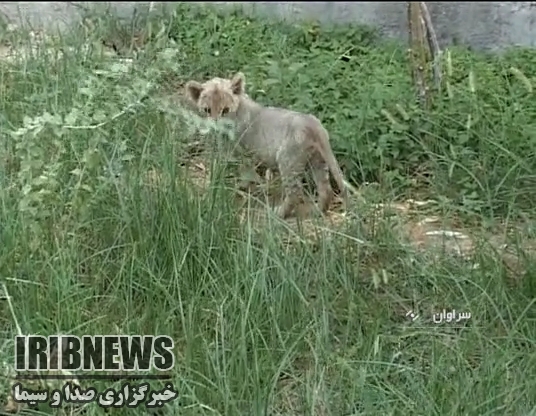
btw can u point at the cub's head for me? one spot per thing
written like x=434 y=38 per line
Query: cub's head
x=217 y=97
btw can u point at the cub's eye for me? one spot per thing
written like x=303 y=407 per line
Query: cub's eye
x=206 y=110
x=225 y=111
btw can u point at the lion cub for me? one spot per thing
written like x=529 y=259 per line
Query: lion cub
x=282 y=139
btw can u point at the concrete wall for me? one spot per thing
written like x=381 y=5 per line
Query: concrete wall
x=482 y=25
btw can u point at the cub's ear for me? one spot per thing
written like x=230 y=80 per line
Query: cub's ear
x=193 y=90
x=238 y=83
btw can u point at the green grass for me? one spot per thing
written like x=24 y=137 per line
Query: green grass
x=263 y=326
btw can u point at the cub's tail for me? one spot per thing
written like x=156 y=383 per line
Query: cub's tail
x=321 y=138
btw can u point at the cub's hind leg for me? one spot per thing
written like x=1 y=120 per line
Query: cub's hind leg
x=291 y=171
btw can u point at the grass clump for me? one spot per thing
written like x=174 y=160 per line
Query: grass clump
x=264 y=325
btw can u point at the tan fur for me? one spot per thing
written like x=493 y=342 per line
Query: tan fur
x=283 y=139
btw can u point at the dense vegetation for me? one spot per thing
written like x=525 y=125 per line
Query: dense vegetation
x=476 y=147
x=267 y=320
